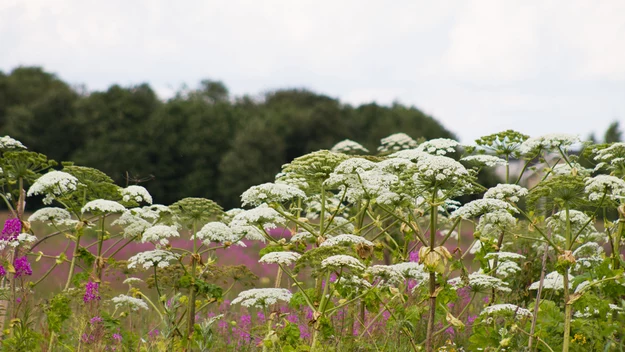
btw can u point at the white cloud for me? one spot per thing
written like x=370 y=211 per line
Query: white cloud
x=475 y=65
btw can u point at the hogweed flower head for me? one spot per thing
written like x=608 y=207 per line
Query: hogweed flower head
x=485 y=160
x=136 y=193
x=506 y=308
x=395 y=142
x=7 y=142
x=342 y=260
x=271 y=193
x=53 y=183
x=346 y=238
x=552 y=281
x=160 y=234
x=481 y=282
x=133 y=303
x=507 y=192
x=158 y=257
x=262 y=297
x=548 y=142
x=52 y=215
x=480 y=207
x=349 y=147
x=283 y=258
x=600 y=186
x=103 y=206
x=217 y=232
x=438 y=146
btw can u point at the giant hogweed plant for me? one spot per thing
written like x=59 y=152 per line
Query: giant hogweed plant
x=373 y=241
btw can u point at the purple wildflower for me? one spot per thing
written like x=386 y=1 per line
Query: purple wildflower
x=91 y=292
x=414 y=257
x=117 y=337
x=22 y=267
x=95 y=320
x=153 y=333
x=3 y=272
x=12 y=228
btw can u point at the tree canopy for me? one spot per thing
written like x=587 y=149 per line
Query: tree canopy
x=203 y=142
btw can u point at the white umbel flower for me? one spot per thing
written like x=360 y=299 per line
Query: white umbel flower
x=302 y=236
x=435 y=168
x=51 y=215
x=506 y=308
x=136 y=193
x=548 y=142
x=103 y=206
x=7 y=142
x=132 y=223
x=262 y=297
x=480 y=282
x=485 y=160
x=132 y=280
x=480 y=207
x=507 y=192
x=54 y=183
x=412 y=270
x=412 y=155
x=438 y=146
x=611 y=158
x=580 y=222
x=395 y=142
x=283 y=258
x=217 y=232
x=600 y=186
x=348 y=147
x=262 y=215
x=388 y=275
x=148 y=259
x=342 y=260
x=160 y=234
x=134 y=303
x=334 y=241
x=271 y=193
x=505 y=256
x=552 y=281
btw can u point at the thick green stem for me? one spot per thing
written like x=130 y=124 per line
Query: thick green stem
x=567 y=303
x=99 y=262
x=192 y=293
x=429 y=343
x=72 y=265
x=616 y=250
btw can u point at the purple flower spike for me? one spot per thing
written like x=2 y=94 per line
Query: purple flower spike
x=12 y=228
x=91 y=292
x=22 y=267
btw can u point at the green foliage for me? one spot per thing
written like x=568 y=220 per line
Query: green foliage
x=58 y=311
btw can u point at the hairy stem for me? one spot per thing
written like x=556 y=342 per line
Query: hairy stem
x=432 y=282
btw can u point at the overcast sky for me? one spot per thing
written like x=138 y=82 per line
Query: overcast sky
x=477 y=66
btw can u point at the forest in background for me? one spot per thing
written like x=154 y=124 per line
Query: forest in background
x=203 y=142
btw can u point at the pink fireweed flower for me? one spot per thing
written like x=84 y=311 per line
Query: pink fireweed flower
x=12 y=228
x=91 y=292
x=22 y=267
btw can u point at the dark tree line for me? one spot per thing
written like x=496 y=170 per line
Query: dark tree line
x=203 y=142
